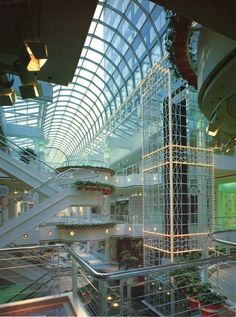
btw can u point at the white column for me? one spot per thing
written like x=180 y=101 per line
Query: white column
x=106 y=206
x=113 y=248
x=88 y=246
x=88 y=213
x=107 y=250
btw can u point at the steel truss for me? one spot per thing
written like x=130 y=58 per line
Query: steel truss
x=177 y=170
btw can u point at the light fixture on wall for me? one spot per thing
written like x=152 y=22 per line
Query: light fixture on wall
x=49 y=233
x=213 y=125
x=25 y=236
x=72 y=233
x=229 y=146
x=212 y=129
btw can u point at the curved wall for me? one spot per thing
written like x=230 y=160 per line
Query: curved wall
x=216 y=81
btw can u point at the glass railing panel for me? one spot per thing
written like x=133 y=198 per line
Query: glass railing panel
x=80 y=219
x=27 y=157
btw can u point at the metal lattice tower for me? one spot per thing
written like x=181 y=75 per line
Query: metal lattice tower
x=177 y=170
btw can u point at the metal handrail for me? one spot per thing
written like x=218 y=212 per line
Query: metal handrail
x=18 y=149
x=224 y=241
x=124 y=274
x=146 y=270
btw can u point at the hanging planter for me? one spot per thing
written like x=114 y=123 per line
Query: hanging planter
x=86 y=226
x=106 y=189
x=176 y=45
x=90 y=167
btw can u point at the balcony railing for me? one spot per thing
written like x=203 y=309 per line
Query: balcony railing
x=138 y=292
x=225 y=223
x=80 y=219
x=95 y=218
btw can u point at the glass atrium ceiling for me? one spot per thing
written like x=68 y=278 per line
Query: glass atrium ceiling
x=124 y=40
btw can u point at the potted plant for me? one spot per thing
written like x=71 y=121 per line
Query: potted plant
x=189 y=285
x=194 y=288
x=211 y=303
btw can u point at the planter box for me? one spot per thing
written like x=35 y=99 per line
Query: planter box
x=193 y=302
x=211 y=310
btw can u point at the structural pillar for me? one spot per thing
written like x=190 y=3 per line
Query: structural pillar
x=107 y=250
x=88 y=213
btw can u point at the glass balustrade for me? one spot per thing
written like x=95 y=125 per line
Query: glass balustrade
x=39 y=194
x=27 y=156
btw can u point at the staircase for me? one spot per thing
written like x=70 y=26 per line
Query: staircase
x=43 y=206
x=31 y=171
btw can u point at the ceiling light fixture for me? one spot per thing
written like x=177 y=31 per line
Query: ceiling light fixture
x=38 y=55
x=7 y=95
x=32 y=90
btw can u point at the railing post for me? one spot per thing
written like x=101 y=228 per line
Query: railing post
x=74 y=278
x=129 y=302
x=102 y=300
x=121 y=289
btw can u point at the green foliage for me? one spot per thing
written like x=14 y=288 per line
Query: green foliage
x=211 y=298
x=128 y=260
x=88 y=185
x=86 y=226
x=197 y=287
x=93 y=168
x=133 y=257
x=188 y=279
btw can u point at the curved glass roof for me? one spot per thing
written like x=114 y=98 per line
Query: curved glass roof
x=124 y=40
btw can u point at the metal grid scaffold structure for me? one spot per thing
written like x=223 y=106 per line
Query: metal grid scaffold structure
x=178 y=169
